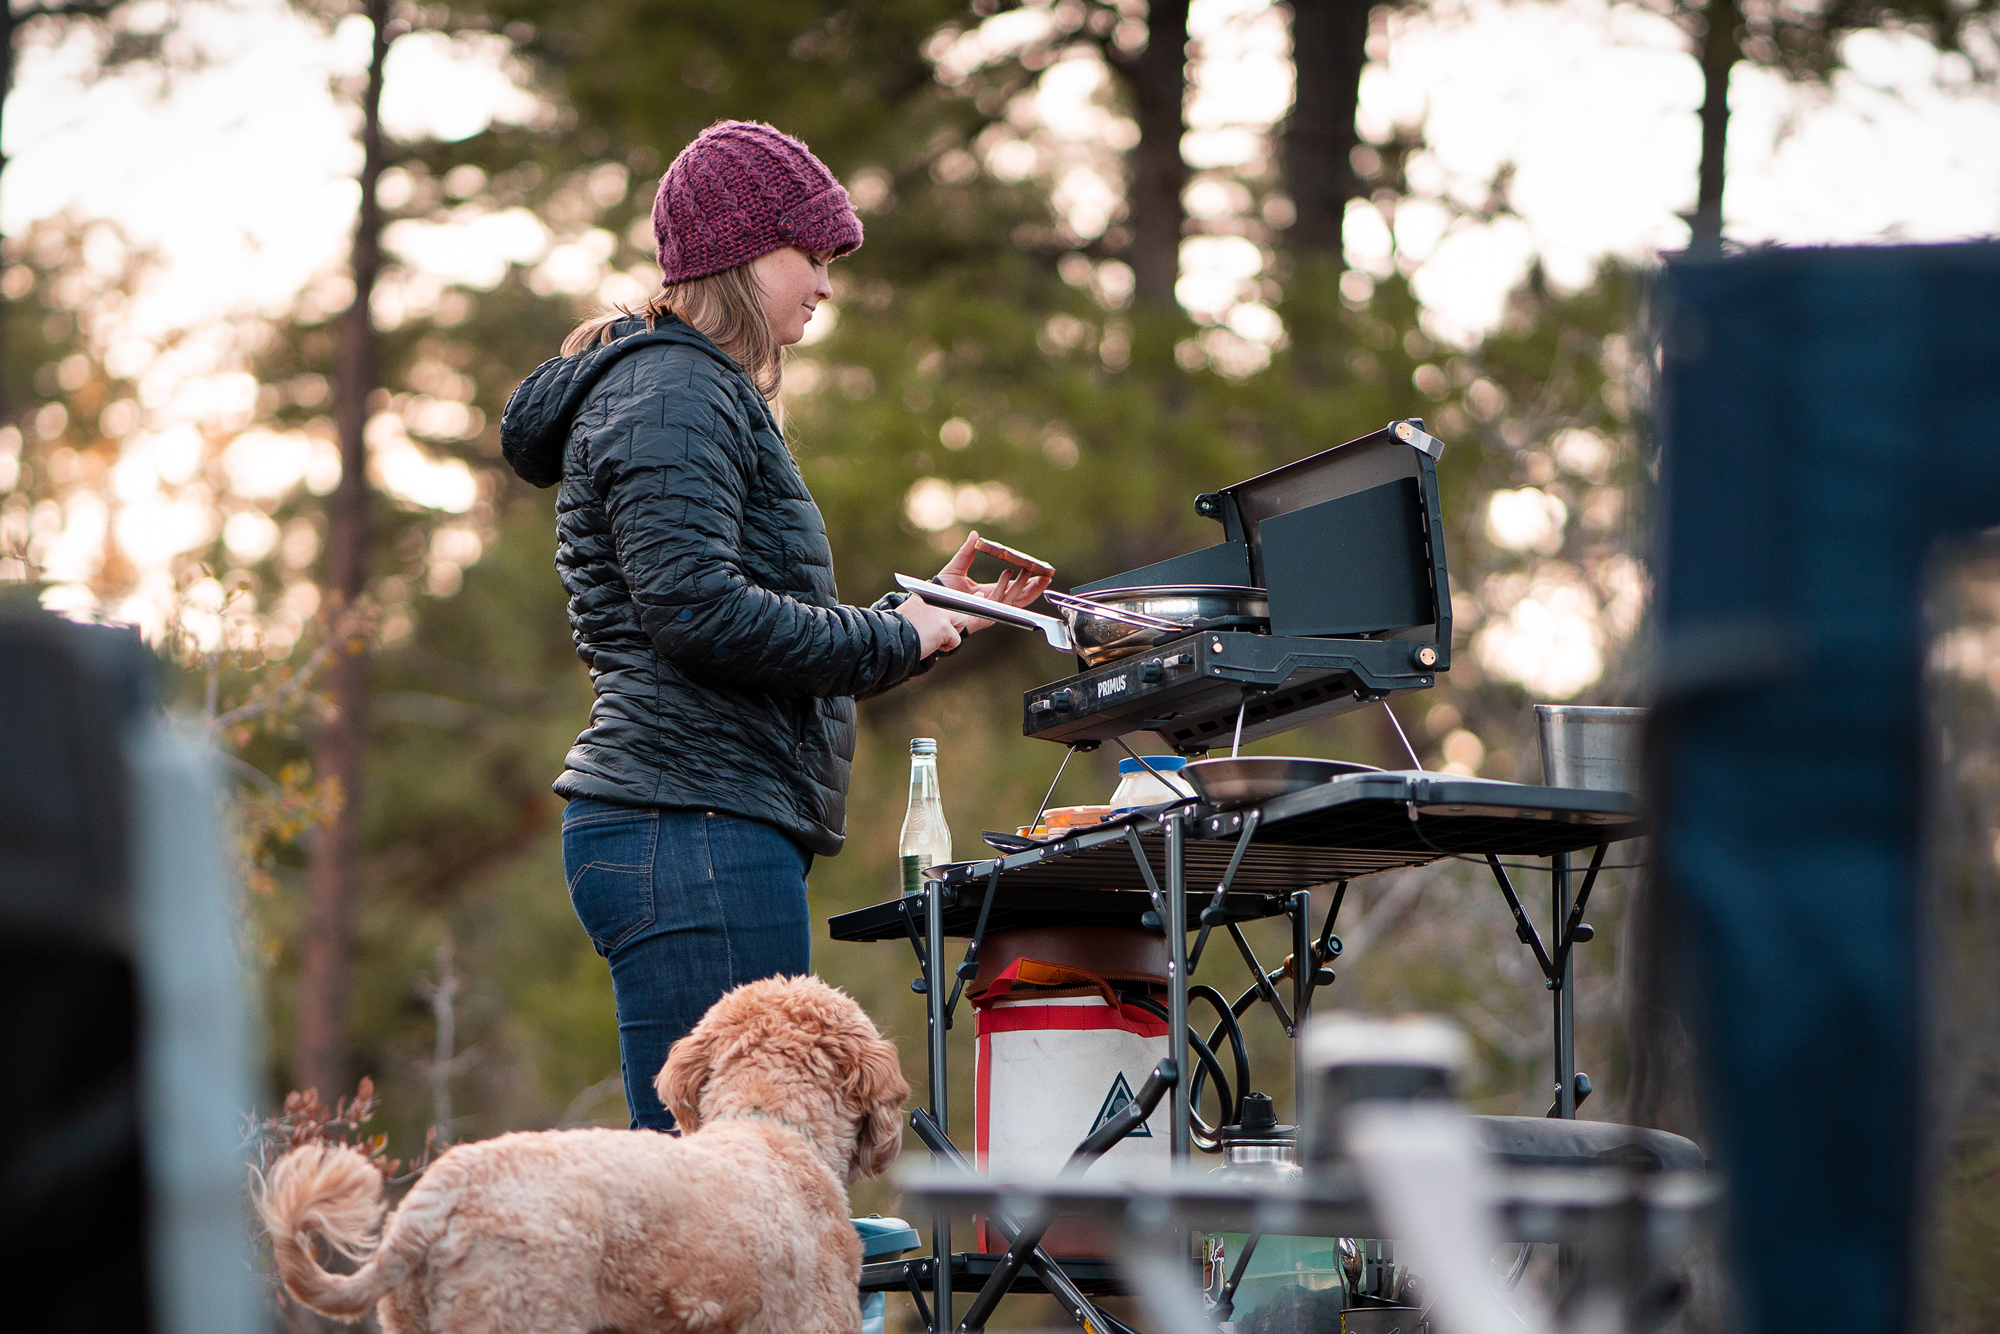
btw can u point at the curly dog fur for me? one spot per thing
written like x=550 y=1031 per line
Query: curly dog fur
x=785 y=1093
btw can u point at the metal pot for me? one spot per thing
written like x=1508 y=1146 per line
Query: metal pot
x=1116 y=623
x=1593 y=748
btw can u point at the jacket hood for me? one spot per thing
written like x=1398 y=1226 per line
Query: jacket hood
x=534 y=426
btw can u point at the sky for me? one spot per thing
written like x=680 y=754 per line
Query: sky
x=237 y=175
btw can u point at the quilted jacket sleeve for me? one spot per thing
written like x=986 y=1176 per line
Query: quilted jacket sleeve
x=674 y=464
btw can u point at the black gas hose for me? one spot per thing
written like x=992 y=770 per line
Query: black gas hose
x=1206 y=1137
x=1238 y=1048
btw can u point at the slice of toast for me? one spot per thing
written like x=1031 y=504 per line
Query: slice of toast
x=1019 y=559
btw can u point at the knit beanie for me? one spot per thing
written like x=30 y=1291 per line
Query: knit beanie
x=741 y=190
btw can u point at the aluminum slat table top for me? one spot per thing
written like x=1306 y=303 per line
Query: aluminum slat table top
x=1352 y=826
x=1014 y=908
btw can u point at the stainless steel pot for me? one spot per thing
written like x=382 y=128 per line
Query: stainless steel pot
x=1593 y=748
x=1119 y=622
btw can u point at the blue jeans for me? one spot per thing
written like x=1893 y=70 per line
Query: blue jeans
x=686 y=905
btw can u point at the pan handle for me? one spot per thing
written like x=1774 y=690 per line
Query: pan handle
x=1053 y=630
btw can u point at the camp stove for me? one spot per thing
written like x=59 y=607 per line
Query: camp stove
x=1348 y=545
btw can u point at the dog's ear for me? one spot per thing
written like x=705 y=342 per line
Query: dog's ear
x=881 y=1090
x=682 y=1077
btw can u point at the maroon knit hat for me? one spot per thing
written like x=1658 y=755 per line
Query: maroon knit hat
x=741 y=190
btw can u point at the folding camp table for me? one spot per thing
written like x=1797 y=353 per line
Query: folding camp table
x=1189 y=867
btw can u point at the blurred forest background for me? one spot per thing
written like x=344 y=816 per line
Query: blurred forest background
x=307 y=510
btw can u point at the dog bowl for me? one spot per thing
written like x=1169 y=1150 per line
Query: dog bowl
x=1233 y=781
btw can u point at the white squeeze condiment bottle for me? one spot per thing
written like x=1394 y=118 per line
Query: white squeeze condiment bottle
x=926 y=837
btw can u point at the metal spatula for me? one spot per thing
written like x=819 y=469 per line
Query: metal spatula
x=1053 y=630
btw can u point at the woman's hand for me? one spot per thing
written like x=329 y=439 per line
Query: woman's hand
x=1015 y=586
x=938 y=630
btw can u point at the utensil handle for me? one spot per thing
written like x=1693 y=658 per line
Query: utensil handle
x=1053 y=630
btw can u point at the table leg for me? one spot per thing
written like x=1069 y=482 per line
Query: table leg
x=1303 y=965
x=1173 y=837
x=1565 y=992
x=934 y=1006
x=1180 y=1146
x=1565 y=1026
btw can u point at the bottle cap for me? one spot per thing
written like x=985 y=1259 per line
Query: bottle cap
x=923 y=745
x=1161 y=763
x=1259 y=1123
x=1258 y=1114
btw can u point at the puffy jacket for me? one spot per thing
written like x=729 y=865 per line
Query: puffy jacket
x=700 y=585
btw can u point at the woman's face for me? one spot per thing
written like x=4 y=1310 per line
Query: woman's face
x=790 y=283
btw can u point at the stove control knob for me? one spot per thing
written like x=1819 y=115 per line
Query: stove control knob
x=1062 y=699
x=1427 y=656
x=1151 y=673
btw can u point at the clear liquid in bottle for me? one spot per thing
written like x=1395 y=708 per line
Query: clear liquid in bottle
x=926 y=837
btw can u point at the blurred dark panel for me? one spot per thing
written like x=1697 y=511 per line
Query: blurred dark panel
x=1827 y=416
x=72 y=1190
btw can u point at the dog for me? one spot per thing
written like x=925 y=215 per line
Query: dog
x=785 y=1094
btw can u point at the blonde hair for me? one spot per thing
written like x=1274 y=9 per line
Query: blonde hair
x=724 y=307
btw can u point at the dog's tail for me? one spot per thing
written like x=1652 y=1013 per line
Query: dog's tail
x=334 y=1192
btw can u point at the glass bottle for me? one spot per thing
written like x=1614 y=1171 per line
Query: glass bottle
x=926 y=837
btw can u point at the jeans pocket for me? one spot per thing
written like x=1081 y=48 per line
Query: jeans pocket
x=610 y=865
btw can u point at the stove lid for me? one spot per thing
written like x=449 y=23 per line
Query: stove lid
x=1349 y=541
x=1226 y=565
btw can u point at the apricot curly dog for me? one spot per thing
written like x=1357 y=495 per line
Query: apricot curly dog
x=785 y=1092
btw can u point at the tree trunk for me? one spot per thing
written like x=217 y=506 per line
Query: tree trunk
x=1159 y=174
x=1721 y=48
x=321 y=1056
x=6 y=87
x=1329 y=49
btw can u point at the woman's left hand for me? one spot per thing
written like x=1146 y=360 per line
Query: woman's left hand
x=1015 y=586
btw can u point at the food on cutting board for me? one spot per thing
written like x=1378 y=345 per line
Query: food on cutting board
x=1060 y=820
x=1075 y=817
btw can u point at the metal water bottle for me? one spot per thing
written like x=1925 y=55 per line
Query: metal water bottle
x=926 y=837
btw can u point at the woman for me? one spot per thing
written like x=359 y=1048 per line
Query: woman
x=701 y=597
